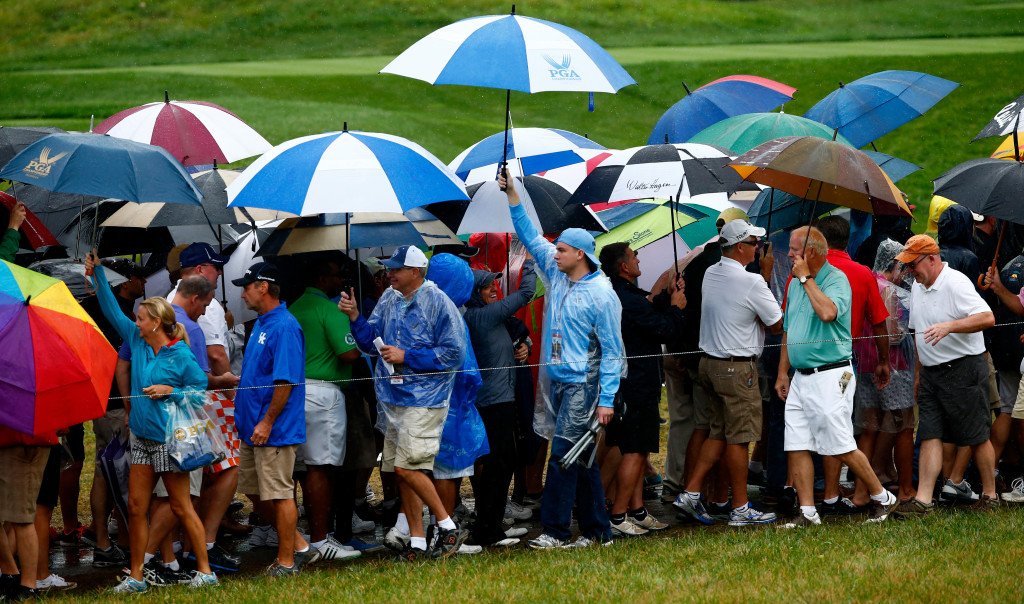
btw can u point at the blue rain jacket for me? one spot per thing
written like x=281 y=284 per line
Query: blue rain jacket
x=432 y=333
x=587 y=315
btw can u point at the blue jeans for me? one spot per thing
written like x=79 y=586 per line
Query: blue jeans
x=576 y=485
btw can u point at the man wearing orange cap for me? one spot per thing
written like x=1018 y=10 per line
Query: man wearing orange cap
x=948 y=316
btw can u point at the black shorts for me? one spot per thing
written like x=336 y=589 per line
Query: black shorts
x=75 y=440
x=638 y=430
x=49 y=489
x=954 y=402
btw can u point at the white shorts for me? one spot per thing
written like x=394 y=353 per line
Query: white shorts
x=326 y=425
x=195 y=484
x=819 y=412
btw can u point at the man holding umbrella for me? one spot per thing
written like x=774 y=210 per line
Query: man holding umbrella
x=12 y=238
x=583 y=353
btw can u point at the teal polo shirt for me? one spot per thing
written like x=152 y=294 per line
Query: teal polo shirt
x=803 y=325
x=327 y=333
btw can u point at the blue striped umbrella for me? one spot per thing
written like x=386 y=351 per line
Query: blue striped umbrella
x=537 y=149
x=339 y=172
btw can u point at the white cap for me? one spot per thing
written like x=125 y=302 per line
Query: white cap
x=738 y=230
x=407 y=255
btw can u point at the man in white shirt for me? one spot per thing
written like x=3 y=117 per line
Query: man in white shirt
x=735 y=309
x=948 y=316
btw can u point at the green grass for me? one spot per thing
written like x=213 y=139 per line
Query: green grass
x=79 y=33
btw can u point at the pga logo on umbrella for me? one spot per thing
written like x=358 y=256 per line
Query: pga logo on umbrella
x=40 y=168
x=561 y=70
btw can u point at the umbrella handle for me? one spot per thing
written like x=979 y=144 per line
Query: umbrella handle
x=995 y=259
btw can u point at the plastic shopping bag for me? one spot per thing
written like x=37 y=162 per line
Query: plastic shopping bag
x=193 y=440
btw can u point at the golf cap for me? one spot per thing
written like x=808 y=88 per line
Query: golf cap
x=201 y=253
x=917 y=246
x=261 y=271
x=174 y=257
x=374 y=265
x=407 y=255
x=730 y=214
x=738 y=230
x=581 y=240
x=462 y=251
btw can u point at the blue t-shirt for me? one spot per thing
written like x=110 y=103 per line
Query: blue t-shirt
x=276 y=352
x=196 y=340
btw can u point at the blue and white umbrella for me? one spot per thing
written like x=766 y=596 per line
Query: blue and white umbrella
x=537 y=149
x=339 y=172
x=511 y=52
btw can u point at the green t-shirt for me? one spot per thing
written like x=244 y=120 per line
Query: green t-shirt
x=327 y=333
x=803 y=325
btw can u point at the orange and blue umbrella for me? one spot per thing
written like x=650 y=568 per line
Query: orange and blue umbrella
x=58 y=366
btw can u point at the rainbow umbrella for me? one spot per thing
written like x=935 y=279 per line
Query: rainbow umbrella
x=58 y=366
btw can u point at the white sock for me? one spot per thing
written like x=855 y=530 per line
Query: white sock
x=176 y=546
x=419 y=543
x=318 y=544
x=692 y=495
x=741 y=508
x=209 y=546
x=173 y=565
x=447 y=524
x=722 y=504
x=882 y=497
x=147 y=558
x=832 y=500
x=402 y=524
x=303 y=550
x=809 y=510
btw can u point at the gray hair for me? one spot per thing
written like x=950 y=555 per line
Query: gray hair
x=195 y=285
x=814 y=239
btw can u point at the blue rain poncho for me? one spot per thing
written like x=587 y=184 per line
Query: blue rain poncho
x=587 y=316
x=432 y=333
x=464 y=438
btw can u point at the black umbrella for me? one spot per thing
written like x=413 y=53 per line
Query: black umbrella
x=14 y=139
x=993 y=187
x=1004 y=122
x=549 y=200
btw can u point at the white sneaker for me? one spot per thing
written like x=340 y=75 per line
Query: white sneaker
x=54 y=582
x=649 y=522
x=517 y=512
x=361 y=526
x=203 y=580
x=957 y=493
x=546 y=541
x=516 y=531
x=396 y=540
x=332 y=550
x=627 y=529
x=370 y=495
x=583 y=542
x=1016 y=493
x=507 y=542
x=470 y=550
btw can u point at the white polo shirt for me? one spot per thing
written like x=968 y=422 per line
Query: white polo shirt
x=950 y=298
x=733 y=300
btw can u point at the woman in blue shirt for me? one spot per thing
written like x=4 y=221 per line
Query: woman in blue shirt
x=164 y=371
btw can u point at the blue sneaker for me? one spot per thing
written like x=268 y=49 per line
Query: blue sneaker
x=693 y=508
x=203 y=580
x=748 y=515
x=129 y=585
x=365 y=547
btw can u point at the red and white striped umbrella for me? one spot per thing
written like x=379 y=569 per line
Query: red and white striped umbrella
x=194 y=132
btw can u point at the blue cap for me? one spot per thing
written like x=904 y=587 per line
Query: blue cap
x=406 y=255
x=200 y=253
x=581 y=240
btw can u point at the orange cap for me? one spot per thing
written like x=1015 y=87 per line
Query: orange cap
x=918 y=245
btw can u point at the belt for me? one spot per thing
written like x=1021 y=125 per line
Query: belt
x=825 y=367
x=730 y=359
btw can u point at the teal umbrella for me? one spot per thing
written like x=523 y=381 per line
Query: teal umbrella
x=742 y=133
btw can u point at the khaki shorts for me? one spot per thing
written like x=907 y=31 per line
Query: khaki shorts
x=106 y=428
x=735 y=399
x=195 y=485
x=1018 y=406
x=267 y=471
x=993 y=383
x=20 y=481
x=413 y=437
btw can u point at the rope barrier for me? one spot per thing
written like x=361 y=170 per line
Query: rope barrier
x=532 y=365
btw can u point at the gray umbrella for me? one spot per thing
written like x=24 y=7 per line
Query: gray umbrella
x=14 y=139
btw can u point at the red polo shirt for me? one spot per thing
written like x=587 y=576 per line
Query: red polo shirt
x=867 y=302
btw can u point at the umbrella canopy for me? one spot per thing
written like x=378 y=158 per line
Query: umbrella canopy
x=537 y=149
x=871 y=107
x=61 y=373
x=194 y=132
x=681 y=171
x=780 y=210
x=33 y=231
x=742 y=133
x=1007 y=150
x=992 y=187
x=1005 y=122
x=13 y=140
x=332 y=232
x=823 y=170
x=96 y=164
x=213 y=211
x=545 y=201
x=713 y=102
x=72 y=273
x=511 y=52
x=340 y=172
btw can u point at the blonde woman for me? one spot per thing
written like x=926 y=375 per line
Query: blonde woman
x=164 y=370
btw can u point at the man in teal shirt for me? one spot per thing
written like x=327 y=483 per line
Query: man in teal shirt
x=819 y=403
x=330 y=352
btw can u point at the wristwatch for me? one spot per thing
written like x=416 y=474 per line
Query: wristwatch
x=804 y=279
